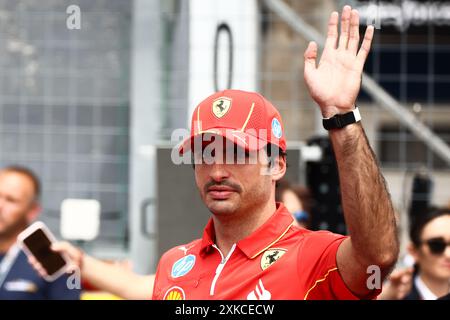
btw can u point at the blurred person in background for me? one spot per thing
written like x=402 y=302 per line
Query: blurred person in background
x=429 y=279
x=19 y=206
x=297 y=199
x=430 y=248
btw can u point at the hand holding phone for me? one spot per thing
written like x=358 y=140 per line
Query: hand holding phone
x=36 y=241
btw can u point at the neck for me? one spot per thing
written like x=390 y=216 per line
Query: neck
x=437 y=286
x=231 y=229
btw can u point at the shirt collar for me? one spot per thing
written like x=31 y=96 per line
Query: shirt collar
x=424 y=291
x=208 y=237
x=261 y=239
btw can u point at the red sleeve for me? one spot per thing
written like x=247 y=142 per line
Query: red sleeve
x=156 y=287
x=319 y=265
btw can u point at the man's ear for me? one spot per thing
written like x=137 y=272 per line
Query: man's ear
x=34 y=212
x=278 y=169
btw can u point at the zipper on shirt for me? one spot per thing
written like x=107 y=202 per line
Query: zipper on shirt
x=220 y=267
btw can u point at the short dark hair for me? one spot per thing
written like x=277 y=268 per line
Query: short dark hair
x=271 y=155
x=29 y=174
x=418 y=224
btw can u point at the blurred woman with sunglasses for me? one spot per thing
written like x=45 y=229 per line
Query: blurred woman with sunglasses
x=430 y=247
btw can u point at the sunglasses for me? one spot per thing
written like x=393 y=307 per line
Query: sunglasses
x=437 y=245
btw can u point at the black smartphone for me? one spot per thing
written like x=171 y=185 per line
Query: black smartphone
x=36 y=241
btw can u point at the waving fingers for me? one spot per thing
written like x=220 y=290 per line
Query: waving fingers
x=345 y=27
x=332 y=35
x=353 y=41
x=310 y=57
x=365 y=46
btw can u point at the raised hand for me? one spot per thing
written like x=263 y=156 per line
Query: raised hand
x=334 y=84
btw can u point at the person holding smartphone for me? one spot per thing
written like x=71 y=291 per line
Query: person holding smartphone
x=19 y=206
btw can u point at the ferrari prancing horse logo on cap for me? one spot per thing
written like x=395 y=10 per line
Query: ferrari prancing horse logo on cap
x=221 y=106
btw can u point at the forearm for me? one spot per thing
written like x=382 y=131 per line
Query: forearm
x=116 y=280
x=367 y=206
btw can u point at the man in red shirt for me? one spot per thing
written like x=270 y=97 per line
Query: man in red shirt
x=250 y=248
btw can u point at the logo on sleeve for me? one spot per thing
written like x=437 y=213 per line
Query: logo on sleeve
x=175 y=293
x=270 y=257
x=183 y=266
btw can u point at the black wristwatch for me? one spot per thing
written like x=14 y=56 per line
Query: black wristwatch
x=339 y=121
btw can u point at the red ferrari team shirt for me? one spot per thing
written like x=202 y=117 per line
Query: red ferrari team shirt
x=277 y=261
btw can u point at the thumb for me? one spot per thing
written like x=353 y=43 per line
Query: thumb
x=66 y=248
x=58 y=246
x=310 y=57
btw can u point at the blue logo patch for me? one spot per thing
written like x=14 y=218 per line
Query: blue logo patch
x=183 y=266
x=276 y=128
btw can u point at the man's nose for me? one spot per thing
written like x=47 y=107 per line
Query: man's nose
x=219 y=172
